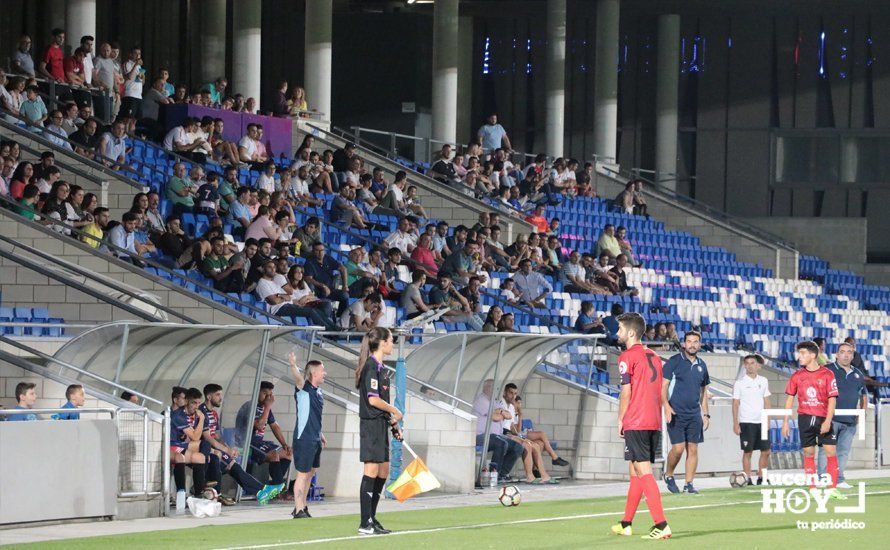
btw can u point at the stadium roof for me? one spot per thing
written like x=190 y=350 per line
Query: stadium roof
x=461 y=361
x=153 y=357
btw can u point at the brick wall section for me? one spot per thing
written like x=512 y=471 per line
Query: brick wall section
x=711 y=232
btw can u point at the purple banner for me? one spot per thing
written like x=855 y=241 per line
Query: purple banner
x=277 y=131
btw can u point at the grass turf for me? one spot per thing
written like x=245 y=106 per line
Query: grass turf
x=725 y=518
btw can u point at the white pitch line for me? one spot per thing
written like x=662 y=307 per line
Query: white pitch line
x=482 y=525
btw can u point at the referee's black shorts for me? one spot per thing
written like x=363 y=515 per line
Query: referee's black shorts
x=642 y=445
x=374 y=440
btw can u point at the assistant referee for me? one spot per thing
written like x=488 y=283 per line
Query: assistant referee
x=377 y=417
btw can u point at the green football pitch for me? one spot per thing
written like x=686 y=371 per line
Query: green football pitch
x=720 y=518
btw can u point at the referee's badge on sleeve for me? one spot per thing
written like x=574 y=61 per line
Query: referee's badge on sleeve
x=373 y=383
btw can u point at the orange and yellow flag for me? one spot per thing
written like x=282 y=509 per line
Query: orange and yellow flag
x=415 y=479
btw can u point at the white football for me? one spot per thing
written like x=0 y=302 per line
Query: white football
x=510 y=495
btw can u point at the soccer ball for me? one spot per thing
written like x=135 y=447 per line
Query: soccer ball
x=738 y=479
x=510 y=496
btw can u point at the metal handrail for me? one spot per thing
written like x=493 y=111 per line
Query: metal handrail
x=428 y=184
x=111 y=411
x=78 y=370
x=73 y=169
x=358 y=130
x=89 y=162
x=635 y=173
x=393 y=157
x=52 y=96
x=411 y=378
x=83 y=272
x=46 y=325
x=151 y=263
x=653 y=187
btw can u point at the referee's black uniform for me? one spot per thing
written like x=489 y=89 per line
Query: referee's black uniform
x=374 y=423
x=374 y=438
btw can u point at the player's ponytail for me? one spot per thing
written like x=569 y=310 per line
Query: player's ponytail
x=370 y=343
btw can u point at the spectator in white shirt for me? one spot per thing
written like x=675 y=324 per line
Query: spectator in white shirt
x=274 y=290
x=181 y=140
x=248 y=151
x=134 y=76
x=113 y=144
x=266 y=179
x=532 y=286
x=401 y=238
x=366 y=313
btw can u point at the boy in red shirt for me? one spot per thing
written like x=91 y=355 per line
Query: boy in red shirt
x=816 y=391
x=639 y=423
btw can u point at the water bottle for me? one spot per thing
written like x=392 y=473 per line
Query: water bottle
x=484 y=477
x=493 y=478
x=180 y=502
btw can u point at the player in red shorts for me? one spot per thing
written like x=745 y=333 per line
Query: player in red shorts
x=639 y=423
x=816 y=391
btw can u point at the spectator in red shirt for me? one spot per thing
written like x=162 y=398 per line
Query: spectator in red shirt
x=73 y=65
x=22 y=176
x=423 y=256
x=538 y=220
x=51 y=63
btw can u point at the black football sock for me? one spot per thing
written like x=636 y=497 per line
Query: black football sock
x=214 y=469
x=198 y=473
x=245 y=480
x=625 y=523
x=274 y=475
x=283 y=469
x=179 y=476
x=661 y=525
x=379 y=483
x=365 y=495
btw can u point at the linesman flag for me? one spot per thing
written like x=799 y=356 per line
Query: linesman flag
x=416 y=478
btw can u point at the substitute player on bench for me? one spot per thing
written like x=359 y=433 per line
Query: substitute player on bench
x=639 y=423
x=220 y=455
x=816 y=391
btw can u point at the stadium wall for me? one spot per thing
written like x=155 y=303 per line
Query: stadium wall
x=838 y=240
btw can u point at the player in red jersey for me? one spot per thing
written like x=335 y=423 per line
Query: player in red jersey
x=639 y=423
x=816 y=391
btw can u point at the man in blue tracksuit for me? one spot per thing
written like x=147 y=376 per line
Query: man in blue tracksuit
x=851 y=395
x=684 y=395
x=308 y=439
